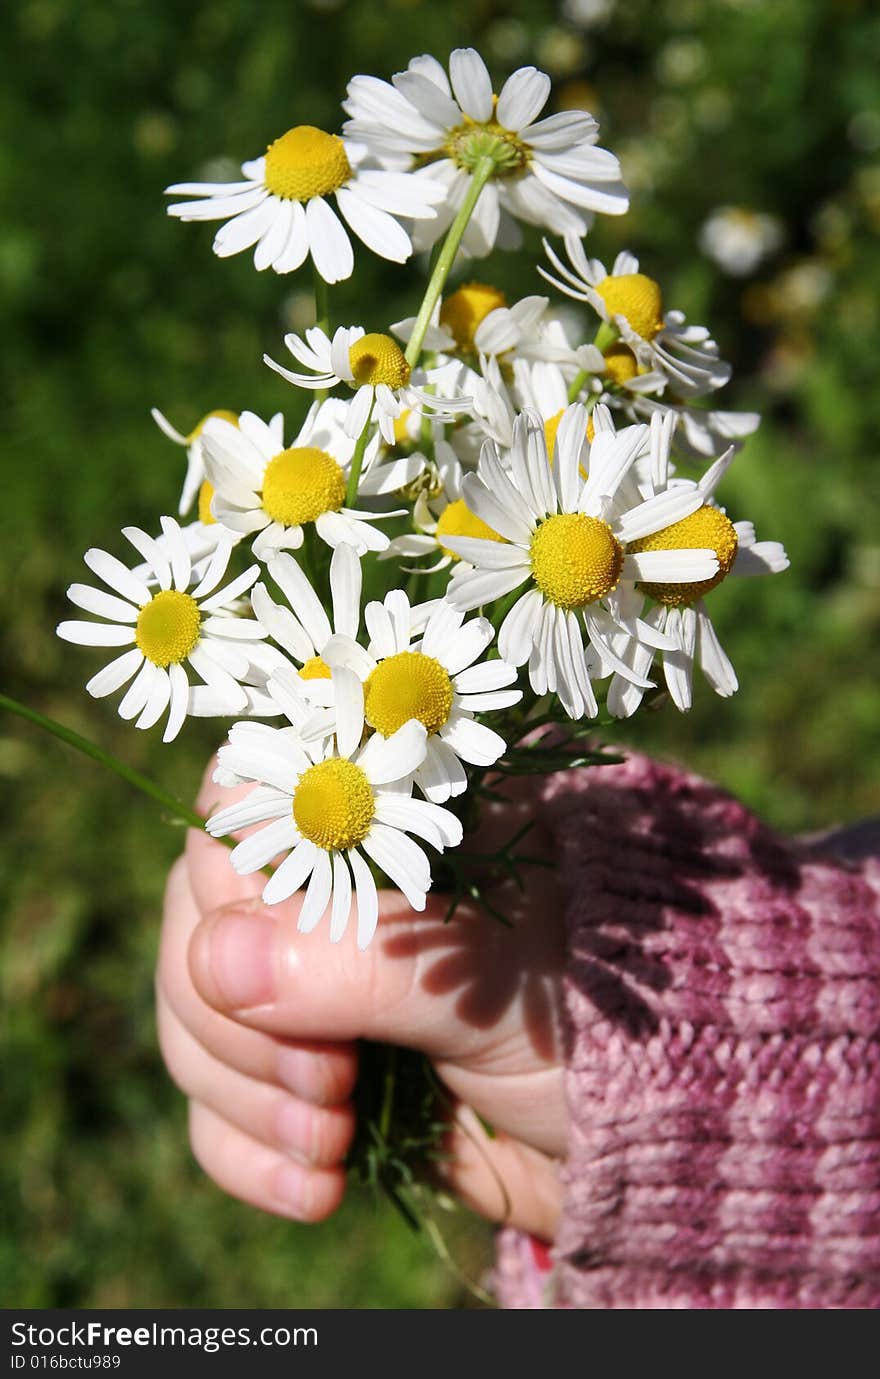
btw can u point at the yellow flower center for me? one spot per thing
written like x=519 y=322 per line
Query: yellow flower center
x=457 y=520
x=551 y=426
x=575 y=559
x=707 y=527
x=167 y=627
x=221 y=413
x=315 y=668
x=464 y=310
x=300 y=484
x=470 y=142
x=306 y=162
x=206 y=493
x=333 y=805
x=636 y=297
x=401 y=427
x=408 y=685
x=378 y=359
x=620 y=363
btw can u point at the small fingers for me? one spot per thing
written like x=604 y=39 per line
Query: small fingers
x=502 y=1178
x=319 y=1071
x=315 y=1135
x=261 y=1176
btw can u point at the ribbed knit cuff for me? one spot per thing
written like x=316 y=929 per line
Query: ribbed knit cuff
x=723 y=1079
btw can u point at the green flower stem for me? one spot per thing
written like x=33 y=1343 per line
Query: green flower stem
x=357 y=460
x=179 y=812
x=481 y=175
x=605 y=336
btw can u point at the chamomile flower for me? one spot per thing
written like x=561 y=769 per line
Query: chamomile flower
x=195 y=484
x=283 y=208
x=571 y=539
x=547 y=171
x=679 y=611
x=738 y=239
x=661 y=343
x=178 y=619
x=262 y=487
x=301 y=627
x=428 y=671
x=329 y=805
x=437 y=513
x=373 y=365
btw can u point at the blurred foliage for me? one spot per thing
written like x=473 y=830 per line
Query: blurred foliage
x=110 y=307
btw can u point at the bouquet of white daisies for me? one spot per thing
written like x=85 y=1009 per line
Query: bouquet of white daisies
x=528 y=491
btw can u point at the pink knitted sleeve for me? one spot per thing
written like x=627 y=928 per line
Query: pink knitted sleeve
x=723 y=1074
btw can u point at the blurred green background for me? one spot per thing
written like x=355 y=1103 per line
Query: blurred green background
x=110 y=307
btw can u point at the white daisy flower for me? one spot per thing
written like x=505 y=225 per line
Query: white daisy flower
x=262 y=487
x=282 y=207
x=679 y=612
x=330 y=806
x=699 y=433
x=474 y=323
x=302 y=628
x=195 y=484
x=426 y=670
x=662 y=343
x=738 y=239
x=547 y=172
x=184 y=619
x=375 y=367
x=437 y=513
x=570 y=539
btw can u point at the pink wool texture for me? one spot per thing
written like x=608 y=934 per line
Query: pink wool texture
x=723 y=1068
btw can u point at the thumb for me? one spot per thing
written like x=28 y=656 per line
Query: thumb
x=249 y=962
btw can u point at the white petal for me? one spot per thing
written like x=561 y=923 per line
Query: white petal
x=441 y=775
x=474 y=588
x=331 y=247
x=367 y=899
x=152 y=552
x=349 y=700
x=274 y=240
x=473 y=741
x=138 y=691
x=295 y=250
x=378 y=230
x=522 y=98
x=471 y=83
x=714 y=661
x=468 y=646
x=157 y=702
x=488 y=555
x=436 y=826
x=104 y=605
x=281 y=625
x=517 y=635
x=684 y=566
x=259 y=849
x=389 y=759
x=302 y=598
x=317 y=895
x=245 y=229
x=95 y=634
x=346 y=579
x=491 y=675
x=117 y=576
x=179 y=702
x=402 y=860
x=291 y=873
x=341 y=908
x=116 y=674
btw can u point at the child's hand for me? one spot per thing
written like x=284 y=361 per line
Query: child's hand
x=257 y=1025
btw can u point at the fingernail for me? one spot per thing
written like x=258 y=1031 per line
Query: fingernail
x=295 y=1126
x=233 y=960
x=293 y=1188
